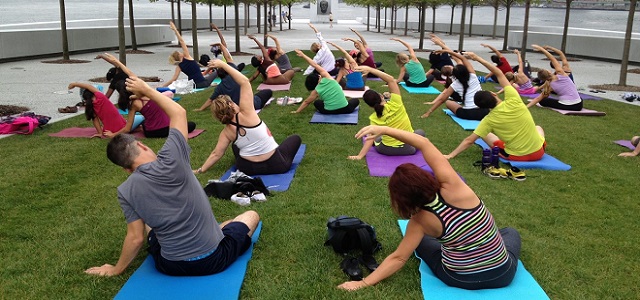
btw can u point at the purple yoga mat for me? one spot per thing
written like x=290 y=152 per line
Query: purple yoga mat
x=383 y=166
x=625 y=143
x=87 y=132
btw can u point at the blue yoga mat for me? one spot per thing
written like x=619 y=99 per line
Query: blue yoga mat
x=148 y=283
x=351 y=119
x=277 y=182
x=420 y=90
x=523 y=286
x=547 y=162
x=464 y=123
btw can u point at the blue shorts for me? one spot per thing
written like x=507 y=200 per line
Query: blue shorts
x=235 y=242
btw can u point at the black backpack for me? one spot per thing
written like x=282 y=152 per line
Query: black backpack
x=349 y=233
x=245 y=185
x=204 y=59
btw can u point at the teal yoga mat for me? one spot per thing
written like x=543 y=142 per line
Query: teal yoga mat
x=465 y=124
x=148 y=283
x=420 y=90
x=523 y=286
x=547 y=162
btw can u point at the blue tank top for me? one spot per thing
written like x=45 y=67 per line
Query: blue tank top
x=191 y=69
x=354 y=81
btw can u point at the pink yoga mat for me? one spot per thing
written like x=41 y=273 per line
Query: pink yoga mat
x=355 y=94
x=274 y=87
x=383 y=166
x=87 y=132
x=583 y=112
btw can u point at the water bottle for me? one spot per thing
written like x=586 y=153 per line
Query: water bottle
x=285 y=100
x=495 y=155
x=486 y=158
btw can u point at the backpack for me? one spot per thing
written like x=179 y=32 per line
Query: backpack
x=349 y=233
x=225 y=189
x=24 y=123
x=204 y=59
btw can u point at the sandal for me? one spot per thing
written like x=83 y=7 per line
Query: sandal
x=351 y=267
x=369 y=262
x=68 y=109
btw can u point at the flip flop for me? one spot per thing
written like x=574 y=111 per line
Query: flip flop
x=351 y=267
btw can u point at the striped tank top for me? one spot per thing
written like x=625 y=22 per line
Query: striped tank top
x=470 y=240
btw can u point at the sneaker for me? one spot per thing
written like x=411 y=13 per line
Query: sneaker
x=515 y=174
x=296 y=100
x=240 y=199
x=257 y=196
x=494 y=172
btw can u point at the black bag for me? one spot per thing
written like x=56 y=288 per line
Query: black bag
x=220 y=189
x=204 y=59
x=349 y=233
x=245 y=185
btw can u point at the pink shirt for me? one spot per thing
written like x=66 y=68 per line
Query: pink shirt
x=107 y=113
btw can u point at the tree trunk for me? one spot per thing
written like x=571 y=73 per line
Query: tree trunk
x=266 y=6
x=385 y=18
x=462 y=23
x=495 y=21
x=211 y=16
x=406 y=19
x=451 y=22
x=122 y=54
x=194 y=29
x=224 y=14
x=433 y=20
x=280 y=16
x=179 y=18
x=368 y=17
x=471 y=21
x=525 y=32
x=506 y=28
x=236 y=20
x=246 y=19
x=378 y=18
x=258 y=17
x=132 y=27
x=392 y=18
x=289 y=6
x=567 y=12
x=423 y=15
x=627 y=44
x=63 y=30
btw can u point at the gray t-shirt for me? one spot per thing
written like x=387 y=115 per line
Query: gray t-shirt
x=284 y=63
x=167 y=196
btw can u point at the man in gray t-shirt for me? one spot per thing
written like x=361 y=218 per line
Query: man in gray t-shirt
x=163 y=193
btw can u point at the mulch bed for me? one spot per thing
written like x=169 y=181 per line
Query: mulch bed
x=568 y=59
x=8 y=110
x=241 y=54
x=177 y=46
x=66 y=61
x=615 y=87
x=137 y=52
x=144 y=78
x=635 y=71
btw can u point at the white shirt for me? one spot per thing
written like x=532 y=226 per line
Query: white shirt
x=324 y=57
x=474 y=87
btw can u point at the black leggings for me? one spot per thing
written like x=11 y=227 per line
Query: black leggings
x=553 y=103
x=430 y=251
x=425 y=83
x=164 y=132
x=261 y=98
x=351 y=106
x=472 y=113
x=280 y=162
x=208 y=79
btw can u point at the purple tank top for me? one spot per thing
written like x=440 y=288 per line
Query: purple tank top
x=154 y=117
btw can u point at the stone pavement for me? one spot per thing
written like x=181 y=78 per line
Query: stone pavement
x=33 y=84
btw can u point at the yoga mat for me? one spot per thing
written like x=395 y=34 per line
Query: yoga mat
x=147 y=283
x=88 y=132
x=351 y=119
x=383 y=165
x=373 y=78
x=523 y=286
x=547 y=162
x=465 y=124
x=625 y=143
x=583 y=112
x=355 y=94
x=138 y=119
x=276 y=182
x=497 y=87
x=216 y=81
x=420 y=90
x=274 y=87
x=198 y=90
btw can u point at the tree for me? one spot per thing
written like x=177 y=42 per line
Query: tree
x=122 y=54
x=567 y=11
x=194 y=28
x=423 y=16
x=627 y=44
x=462 y=21
x=179 y=18
x=507 y=4
x=525 y=31
x=453 y=4
x=63 y=30
x=132 y=27
x=496 y=5
x=236 y=17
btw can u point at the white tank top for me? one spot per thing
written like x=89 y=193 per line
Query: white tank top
x=257 y=140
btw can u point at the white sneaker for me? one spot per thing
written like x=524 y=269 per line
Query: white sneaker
x=296 y=100
x=240 y=199
x=257 y=196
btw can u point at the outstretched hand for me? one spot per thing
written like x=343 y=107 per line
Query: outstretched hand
x=364 y=69
x=352 y=285
x=104 y=270
x=536 y=47
x=173 y=26
x=370 y=132
x=216 y=63
x=251 y=36
x=136 y=86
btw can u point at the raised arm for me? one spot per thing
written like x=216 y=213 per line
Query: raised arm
x=246 y=92
x=346 y=55
x=82 y=85
x=360 y=37
x=222 y=41
x=177 y=114
x=393 y=85
x=313 y=28
x=461 y=59
x=314 y=64
x=502 y=80
x=183 y=45
x=438 y=41
x=412 y=54
x=116 y=63
x=520 y=63
x=265 y=54
x=225 y=52
x=363 y=50
x=493 y=49
x=565 y=62
x=554 y=61
x=275 y=40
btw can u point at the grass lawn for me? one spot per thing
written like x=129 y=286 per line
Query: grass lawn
x=59 y=213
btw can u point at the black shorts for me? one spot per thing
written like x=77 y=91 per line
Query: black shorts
x=472 y=113
x=235 y=242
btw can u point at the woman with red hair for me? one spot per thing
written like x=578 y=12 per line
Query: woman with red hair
x=449 y=227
